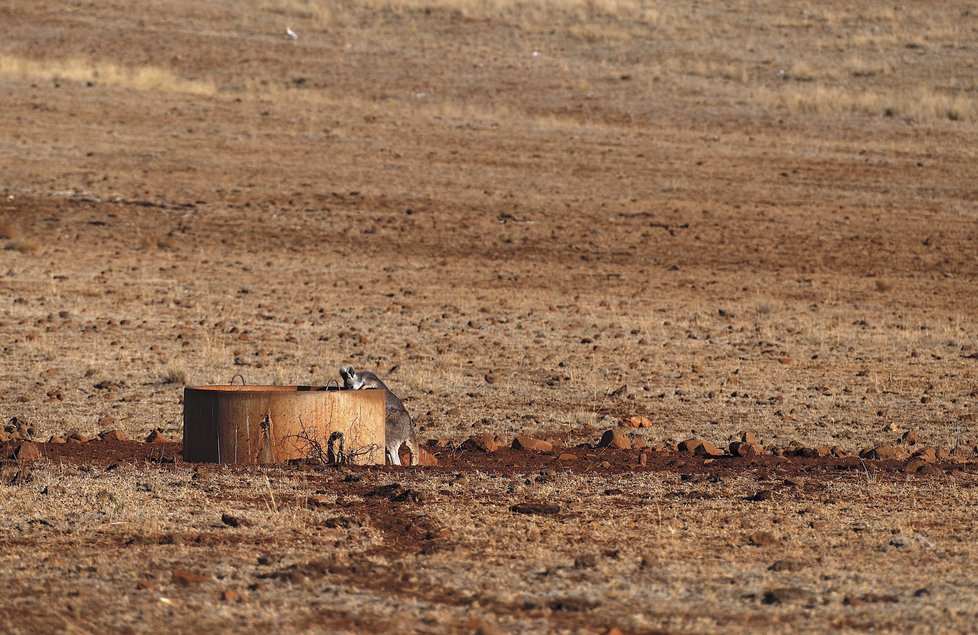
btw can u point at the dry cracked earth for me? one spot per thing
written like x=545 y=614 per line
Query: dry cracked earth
x=538 y=224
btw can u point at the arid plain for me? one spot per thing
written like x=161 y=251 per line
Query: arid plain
x=529 y=218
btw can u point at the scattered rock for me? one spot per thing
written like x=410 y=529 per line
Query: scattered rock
x=572 y=604
x=235 y=521
x=106 y=421
x=604 y=465
x=636 y=422
x=745 y=449
x=920 y=466
x=885 y=453
x=426 y=458
x=760 y=495
x=157 y=436
x=57 y=440
x=407 y=496
x=4 y=437
x=230 y=596
x=27 y=451
x=524 y=442
x=145 y=585
x=643 y=459
x=816 y=452
x=481 y=443
x=184 y=578
x=540 y=509
x=762 y=538
x=749 y=437
x=78 y=437
x=639 y=444
x=785 y=595
x=699 y=447
x=926 y=454
x=911 y=437
x=615 y=439
x=567 y=456
x=113 y=435
x=706 y=448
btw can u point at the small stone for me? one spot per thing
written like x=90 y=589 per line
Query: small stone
x=749 y=437
x=636 y=422
x=689 y=445
x=542 y=509
x=524 y=442
x=235 y=521
x=816 y=452
x=643 y=459
x=911 y=437
x=706 y=448
x=113 y=435
x=615 y=439
x=57 y=440
x=760 y=495
x=745 y=449
x=184 y=578
x=915 y=465
x=567 y=456
x=639 y=444
x=27 y=451
x=885 y=453
x=145 y=585
x=926 y=454
x=79 y=437
x=785 y=595
x=4 y=437
x=230 y=596
x=106 y=421
x=604 y=465
x=426 y=458
x=157 y=436
x=762 y=538
x=481 y=443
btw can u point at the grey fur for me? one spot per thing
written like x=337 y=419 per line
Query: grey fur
x=399 y=426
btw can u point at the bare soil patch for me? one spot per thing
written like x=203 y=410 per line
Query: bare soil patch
x=529 y=220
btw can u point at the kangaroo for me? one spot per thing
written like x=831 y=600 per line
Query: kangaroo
x=399 y=426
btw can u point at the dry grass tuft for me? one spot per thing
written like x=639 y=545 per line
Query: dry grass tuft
x=176 y=376
x=924 y=104
x=78 y=69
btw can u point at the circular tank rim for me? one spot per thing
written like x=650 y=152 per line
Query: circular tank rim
x=289 y=390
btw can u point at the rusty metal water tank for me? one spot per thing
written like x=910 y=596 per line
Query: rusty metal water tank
x=263 y=425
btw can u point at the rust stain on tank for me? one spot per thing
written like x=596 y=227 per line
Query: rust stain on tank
x=263 y=425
